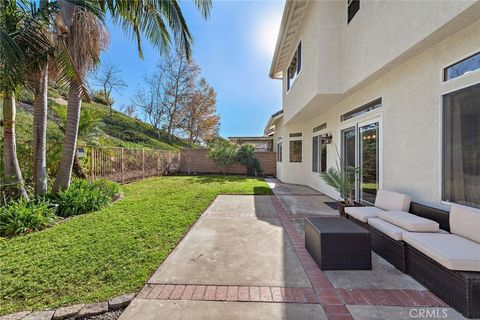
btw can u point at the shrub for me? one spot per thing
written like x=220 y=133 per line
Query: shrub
x=223 y=154
x=25 y=96
x=19 y=217
x=99 y=97
x=110 y=188
x=84 y=196
x=246 y=156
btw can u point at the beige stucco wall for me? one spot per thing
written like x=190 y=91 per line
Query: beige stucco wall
x=382 y=31
x=322 y=25
x=338 y=58
x=411 y=115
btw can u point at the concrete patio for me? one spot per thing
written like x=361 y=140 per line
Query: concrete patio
x=245 y=259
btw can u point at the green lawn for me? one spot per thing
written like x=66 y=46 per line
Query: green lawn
x=112 y=251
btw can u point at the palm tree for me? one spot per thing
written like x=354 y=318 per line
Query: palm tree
x=152 y=18
x=88 y=130
x=22 y=45
x=86 y=39
x=63 y=70
x=40 y=107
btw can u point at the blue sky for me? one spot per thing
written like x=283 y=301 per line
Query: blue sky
x=234 y=48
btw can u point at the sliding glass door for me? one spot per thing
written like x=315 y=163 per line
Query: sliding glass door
x=360 y=149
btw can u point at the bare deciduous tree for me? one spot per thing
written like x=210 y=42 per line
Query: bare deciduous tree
x=109 y=79
x=129 y=110
x=150 y=100
x=173 y=98
x=178 y=82
x=200 y=121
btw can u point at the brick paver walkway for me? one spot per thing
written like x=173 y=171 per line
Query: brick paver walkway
x=321 y=291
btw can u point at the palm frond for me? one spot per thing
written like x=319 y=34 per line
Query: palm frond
x=204 y=6
x=156 y=20
x=69 y=73
x=24 y=44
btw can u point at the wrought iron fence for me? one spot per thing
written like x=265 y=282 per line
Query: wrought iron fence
x=125 y=165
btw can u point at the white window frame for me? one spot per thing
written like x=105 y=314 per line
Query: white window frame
x=467 y=74
x=449 y=88
x=279 y=156
x=288 y=86
x=300 y=138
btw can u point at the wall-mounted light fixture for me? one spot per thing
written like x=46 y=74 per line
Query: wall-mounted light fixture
x=326 y=138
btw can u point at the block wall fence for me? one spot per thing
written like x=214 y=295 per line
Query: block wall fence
x=197 y=161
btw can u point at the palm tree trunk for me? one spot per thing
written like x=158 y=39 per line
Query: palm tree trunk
x=40 y=107
x=13 y=173
x=64 y=175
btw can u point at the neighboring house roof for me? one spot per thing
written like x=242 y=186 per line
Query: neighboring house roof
x=250 y=138
x=268 y=128
x=291 y=22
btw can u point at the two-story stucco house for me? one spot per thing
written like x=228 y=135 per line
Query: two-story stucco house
x=390 y=86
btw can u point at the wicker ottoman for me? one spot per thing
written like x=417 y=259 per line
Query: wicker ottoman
x=338 y=244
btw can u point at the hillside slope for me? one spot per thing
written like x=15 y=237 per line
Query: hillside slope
x=119 y=130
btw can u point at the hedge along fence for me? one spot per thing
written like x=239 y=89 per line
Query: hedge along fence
x=126 y=165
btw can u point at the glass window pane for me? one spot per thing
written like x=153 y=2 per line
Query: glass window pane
x=368 y=140
x=296 y=151
x=279 y=152
x=353 y=7
x=323 y=160
x=315 y=154
x=361 y=110
x=348 y=150
x=295 y=66
x=470 y=64
x=461 y=146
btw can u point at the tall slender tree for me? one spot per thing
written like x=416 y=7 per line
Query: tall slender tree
x=179 y=75
x=22 y=45
x=157 y=20
x=86 y=39
x=56 y=23
x=40 y=108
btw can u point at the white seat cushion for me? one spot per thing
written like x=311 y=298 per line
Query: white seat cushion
x=363 y=213
x=392 y=201
x=389 y=229
x=465 y=222
x=451 y=251
x=409 y=222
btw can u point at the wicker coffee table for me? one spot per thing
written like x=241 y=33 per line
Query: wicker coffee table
x=338 y=244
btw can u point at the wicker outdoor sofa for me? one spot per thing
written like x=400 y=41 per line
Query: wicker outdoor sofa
x=455 y=281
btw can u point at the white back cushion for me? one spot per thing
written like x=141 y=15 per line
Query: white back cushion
x=392 y=201
x=465 y=222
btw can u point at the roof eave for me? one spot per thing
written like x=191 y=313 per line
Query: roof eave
x=274 y=74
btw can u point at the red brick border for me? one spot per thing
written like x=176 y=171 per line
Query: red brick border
x=228 y=293
x=325 y=297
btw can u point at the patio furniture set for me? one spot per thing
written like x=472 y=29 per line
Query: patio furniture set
x=439 y=249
